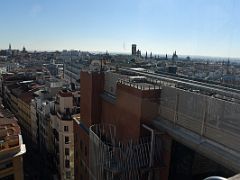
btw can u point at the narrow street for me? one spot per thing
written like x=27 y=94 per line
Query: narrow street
x=35 y=168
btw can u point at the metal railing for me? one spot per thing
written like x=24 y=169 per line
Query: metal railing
x=149 y=85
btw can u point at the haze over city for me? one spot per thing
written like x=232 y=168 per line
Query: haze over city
x=120 y=90
x=209 y=28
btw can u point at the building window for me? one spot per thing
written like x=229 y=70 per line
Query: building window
x=67 y=151
x=68 y=174
x=65 y=128
x=66 y=140
x=67 y=164
x=86 y=151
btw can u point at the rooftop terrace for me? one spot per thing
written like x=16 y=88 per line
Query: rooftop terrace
x=9 y=132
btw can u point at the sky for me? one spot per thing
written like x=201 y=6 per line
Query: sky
x=191 y=27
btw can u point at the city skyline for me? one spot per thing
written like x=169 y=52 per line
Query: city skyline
x=199 y=27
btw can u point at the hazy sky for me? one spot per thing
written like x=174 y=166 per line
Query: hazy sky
x=195 y=27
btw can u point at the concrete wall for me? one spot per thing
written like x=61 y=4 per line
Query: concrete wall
x=110 y=81
x=216 y=119
x=65 y=102
x=223 y=123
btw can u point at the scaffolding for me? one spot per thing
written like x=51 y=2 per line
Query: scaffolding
x=112 y=160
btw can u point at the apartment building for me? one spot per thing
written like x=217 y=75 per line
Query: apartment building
x=41 y=105
x=17 y=96
x=34 y=124
x=66 y=105
x=24 y=111
x=72 y=71
x=11 y=147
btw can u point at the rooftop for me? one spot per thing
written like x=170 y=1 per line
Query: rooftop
x=140 y=82
x=28 y=96
x=65 y=93
x=9 y=132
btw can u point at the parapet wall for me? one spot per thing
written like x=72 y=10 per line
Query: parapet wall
x=213 y=118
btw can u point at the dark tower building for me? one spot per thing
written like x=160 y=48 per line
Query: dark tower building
x=175 y=56
x=24 y=49
x=138 y=53
x=134 y=49
x=9 y=50
x=228 y=67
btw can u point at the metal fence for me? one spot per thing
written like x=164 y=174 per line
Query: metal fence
x=111 y=159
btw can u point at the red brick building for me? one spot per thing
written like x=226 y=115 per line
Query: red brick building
x=107 y=98
x=90 y=112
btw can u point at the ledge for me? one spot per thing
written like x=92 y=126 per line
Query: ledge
x=219 y=153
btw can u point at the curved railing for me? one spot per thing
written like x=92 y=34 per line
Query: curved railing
x=110 y=158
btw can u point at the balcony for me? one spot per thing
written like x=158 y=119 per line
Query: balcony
x=64 y=116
